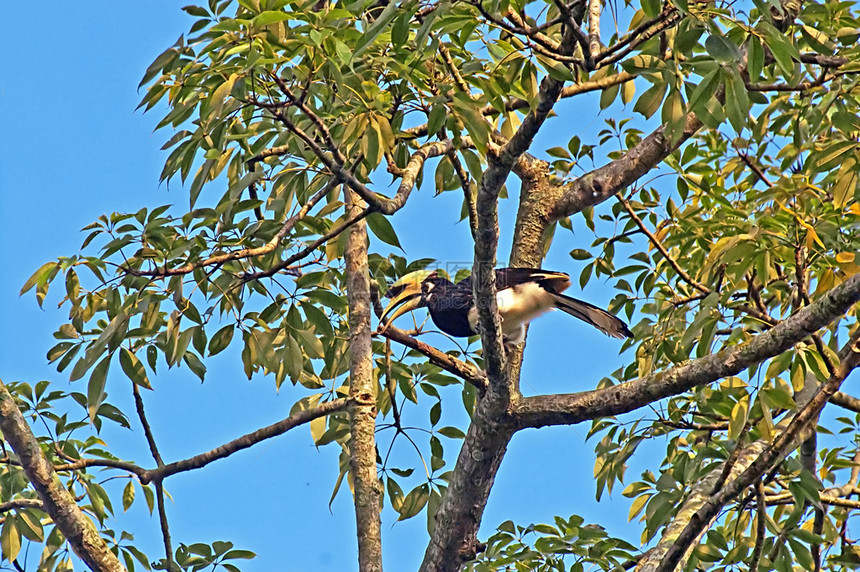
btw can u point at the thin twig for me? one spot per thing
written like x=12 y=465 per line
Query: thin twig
x=245 y=441
x=468 y=195
x=662 y=249
x=147 y=430
x=159 y=489
x=248 y=276
x=461 y=369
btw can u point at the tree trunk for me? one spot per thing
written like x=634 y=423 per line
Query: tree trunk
x=362 y=393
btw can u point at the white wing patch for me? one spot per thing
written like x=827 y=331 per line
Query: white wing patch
x=520 y=305
x=517 y=307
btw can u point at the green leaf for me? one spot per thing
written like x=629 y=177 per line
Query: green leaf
x=10 y=540
x=705 y=90
x=652 y=8
x=311 y=343
x=737 y=101
x=414 y=502
x=559 y=152
x=436 y=118
x=740 y=414
x=381 y=228
x=400 y=30
x=473 y=120
x=40 y=276
x=128 y=495
x=391 y=11
x=29 y=526
x=270 y=17
x=243 y=554
x=784 y=52
x=93 y=353
x=221 y=339
x=395 y=494
x=608 y=95
x=674 y=116
x=649 y=102
x=846 y=183
x=133 y=368
x=722 y=49
x=755 y=58
x=196 y=11
x=452 y=432
x=96 y=387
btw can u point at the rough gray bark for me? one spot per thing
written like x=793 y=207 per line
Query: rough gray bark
x=362 y=393
x=79 y=530
x=454 y=538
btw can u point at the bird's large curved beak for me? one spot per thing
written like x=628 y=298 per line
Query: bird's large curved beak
x=405 y=296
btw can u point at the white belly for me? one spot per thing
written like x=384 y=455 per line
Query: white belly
x=517 y=307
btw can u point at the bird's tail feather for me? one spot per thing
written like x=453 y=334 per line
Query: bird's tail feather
x=597 y=317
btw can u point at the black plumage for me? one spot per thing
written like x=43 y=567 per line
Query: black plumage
x=522 y=295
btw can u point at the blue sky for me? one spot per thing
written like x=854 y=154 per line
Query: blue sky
x=73 y=147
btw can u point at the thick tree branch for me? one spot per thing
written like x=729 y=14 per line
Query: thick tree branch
x=600 y=184
x=846 y=401
x=58 y=502
x=454 y=537
x=594 y=27
x=572 y=408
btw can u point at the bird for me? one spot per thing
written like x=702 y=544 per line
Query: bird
x=522 y=294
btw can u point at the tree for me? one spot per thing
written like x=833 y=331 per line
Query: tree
x=736 y=261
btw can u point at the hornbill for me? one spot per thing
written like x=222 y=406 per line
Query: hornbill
x=522 y=294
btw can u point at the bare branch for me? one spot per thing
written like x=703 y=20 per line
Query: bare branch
x=637 y=37
x=454 y=537
x=846 y=401
x=147 y=430
x=16 y=504
x=453 y=69
x=468 y=195
x=79 y=464
x=159 y=489
x=761 y=527
x=517 y=104
x=594 y=27
x=244 y=253
x=245 y=441
x=787 y=498
x=336 y=231
x=600 y=184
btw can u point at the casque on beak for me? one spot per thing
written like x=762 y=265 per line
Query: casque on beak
x=406 y=295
